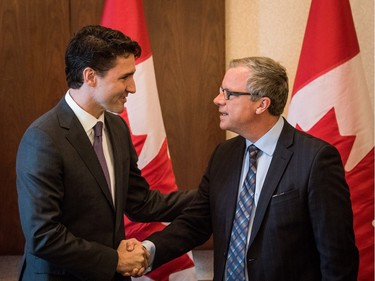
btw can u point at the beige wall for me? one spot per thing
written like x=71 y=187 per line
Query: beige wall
x=276 y=29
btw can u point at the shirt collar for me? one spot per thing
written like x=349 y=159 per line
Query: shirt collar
x=267 y=143
x=87 y=120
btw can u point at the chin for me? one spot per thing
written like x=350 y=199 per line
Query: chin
x=118 y=109
x=223 y=127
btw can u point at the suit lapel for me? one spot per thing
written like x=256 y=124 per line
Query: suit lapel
x=118 y=142
x=277 y=167
x=231 y=185
x=79 y=140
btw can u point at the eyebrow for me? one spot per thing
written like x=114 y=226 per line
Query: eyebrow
x=125 y=75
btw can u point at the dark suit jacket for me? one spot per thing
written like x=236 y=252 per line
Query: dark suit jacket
x=303 y=225
x=71 y=226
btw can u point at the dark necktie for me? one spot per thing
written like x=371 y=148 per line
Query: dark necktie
x=98 y=147
x=235 y=268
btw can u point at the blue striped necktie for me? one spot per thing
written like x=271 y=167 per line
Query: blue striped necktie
x=235 y=267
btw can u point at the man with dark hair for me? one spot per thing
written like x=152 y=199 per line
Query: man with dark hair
x=274 y=198
x=77 y=171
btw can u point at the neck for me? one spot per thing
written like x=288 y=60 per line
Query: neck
x=84 y=100
x=261 y=127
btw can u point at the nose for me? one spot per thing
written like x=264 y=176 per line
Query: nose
x=219 y=99
x=131 y=87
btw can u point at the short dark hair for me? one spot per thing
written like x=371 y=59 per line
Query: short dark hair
x=97 y=47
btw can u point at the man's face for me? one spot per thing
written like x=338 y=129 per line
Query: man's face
x=238 y=113
x=112 y=90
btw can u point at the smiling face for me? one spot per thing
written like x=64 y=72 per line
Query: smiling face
x=238 y=114
x=111 y=90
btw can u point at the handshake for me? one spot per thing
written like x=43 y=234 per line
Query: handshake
x=133 y=258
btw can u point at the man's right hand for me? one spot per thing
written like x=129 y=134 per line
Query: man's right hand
x=132 y=258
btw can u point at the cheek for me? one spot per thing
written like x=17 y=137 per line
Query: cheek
x=243 y=114
x=114 y=92
x=239 y=110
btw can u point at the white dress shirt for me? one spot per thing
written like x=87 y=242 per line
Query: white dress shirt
x=266 y=144
x=88 y=122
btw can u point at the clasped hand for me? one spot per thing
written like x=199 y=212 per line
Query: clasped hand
x=133 y=258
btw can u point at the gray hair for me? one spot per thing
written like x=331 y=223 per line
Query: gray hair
x=267 y=78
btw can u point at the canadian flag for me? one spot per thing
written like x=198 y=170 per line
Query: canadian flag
x=143 y=114
x=330 y=100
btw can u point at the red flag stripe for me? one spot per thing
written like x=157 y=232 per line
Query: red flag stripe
x=330 y=100
x=319 y=52
x=128 y=17
x=143 y=115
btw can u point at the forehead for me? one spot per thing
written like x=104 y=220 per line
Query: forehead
x=124 y=64
x=236 y=76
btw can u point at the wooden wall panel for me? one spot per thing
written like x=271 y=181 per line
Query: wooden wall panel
x=187 y=39
x=85 y=13
x=33 y=35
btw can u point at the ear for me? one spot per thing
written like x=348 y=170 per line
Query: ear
x=89 y=76
x=263 y=104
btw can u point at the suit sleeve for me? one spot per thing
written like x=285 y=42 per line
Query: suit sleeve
x=40 y=188
x=192 y=228
x=331 y=216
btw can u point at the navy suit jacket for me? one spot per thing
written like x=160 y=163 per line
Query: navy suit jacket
x=303 y=225
x=71 y=226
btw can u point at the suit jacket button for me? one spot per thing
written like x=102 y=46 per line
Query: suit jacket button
x=251 y=260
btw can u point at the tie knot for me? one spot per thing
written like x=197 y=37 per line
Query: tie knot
x=253 y=152
x=98 y=129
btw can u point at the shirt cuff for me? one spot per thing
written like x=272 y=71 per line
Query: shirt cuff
x=150 y=247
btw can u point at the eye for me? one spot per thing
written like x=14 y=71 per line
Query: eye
x=127 y=76
x=229 y=94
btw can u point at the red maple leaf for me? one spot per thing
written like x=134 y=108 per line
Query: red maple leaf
x=159 y=174
x=361 y=184
x=138 y=140
x=327 y=129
